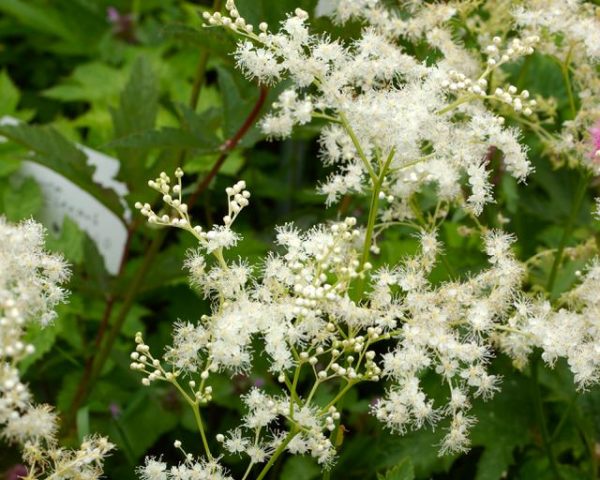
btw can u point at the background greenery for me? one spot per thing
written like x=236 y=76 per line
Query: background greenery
x=143 y=82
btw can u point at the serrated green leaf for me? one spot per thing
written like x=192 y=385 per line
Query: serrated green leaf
x=214 y=39
x=166 y=138
x=70 y=242
x=300 y=468
x=59 y=154
x=38 y=17
x=9 y=95
x=136 y=114
x=89 y=82
x=23 y=202
x=403 y=471
x=501 y=428
x=42 y=339
x=239 y=98
x=145 y=420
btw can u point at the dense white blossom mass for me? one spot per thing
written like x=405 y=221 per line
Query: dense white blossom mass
x=393 y=125
x=31 y=282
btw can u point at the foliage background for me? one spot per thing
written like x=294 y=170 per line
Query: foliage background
x=123 y=83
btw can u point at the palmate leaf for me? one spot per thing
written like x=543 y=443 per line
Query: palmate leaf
x=59 y=154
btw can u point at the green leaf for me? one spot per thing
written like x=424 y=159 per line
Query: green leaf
x=9 y=95
x=70 y=242
x=38 y=17
x=145 y=420
x=59 y=154
x=214 y=39
x=166 y=138
x=403 y=471
x=24 y=202
x=136 y=114
x=8 y=165
x=300 y=468
x=239 y=98
x=501 y=428
x=272 y=11
x=89 y=82
x=42 y=338
x=83 y=423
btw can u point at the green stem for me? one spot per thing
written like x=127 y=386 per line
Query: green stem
x=373 y=209
x=293 y=389
x=200 y=425
x=248 y=470
x=455 y=104
x=196 y=408
x=567 y=77
x=277 y=453
x=338 y=397
x=202 y=63
x=578 y=201
x=539 y=408
x=357 y=145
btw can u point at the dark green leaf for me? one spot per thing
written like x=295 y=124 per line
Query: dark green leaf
x=403 y=471
x=214 y=39
x=136 y=114
x=70 y=242
x=42 y=338
x=24 y=202
x=9 y=95
x=59 y=154
x=300 y=468
x=39 y=17
x=239 y=98
x=166 y=138
x=83 y=422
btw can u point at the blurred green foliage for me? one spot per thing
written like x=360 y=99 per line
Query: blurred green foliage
x=117 y=76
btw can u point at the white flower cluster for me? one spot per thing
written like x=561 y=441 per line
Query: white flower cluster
x=447 y=329
x=367 y=90
x=597 y=212
x=574 y=19
x=30 y=289
x=190 y=469
x=219 y=237
x=571 y=332
x=322 y=314
x=302 y=309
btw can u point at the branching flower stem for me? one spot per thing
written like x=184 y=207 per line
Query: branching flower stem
x=104 y=345
x=280 y=449
x=194 y=404
x=358 y=146
x=373 y=209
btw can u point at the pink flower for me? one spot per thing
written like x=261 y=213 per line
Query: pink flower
x=595 y=134
x=17 y=472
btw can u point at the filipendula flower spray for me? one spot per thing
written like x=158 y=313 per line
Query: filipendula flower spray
x=394 y=125
x=31 y=282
